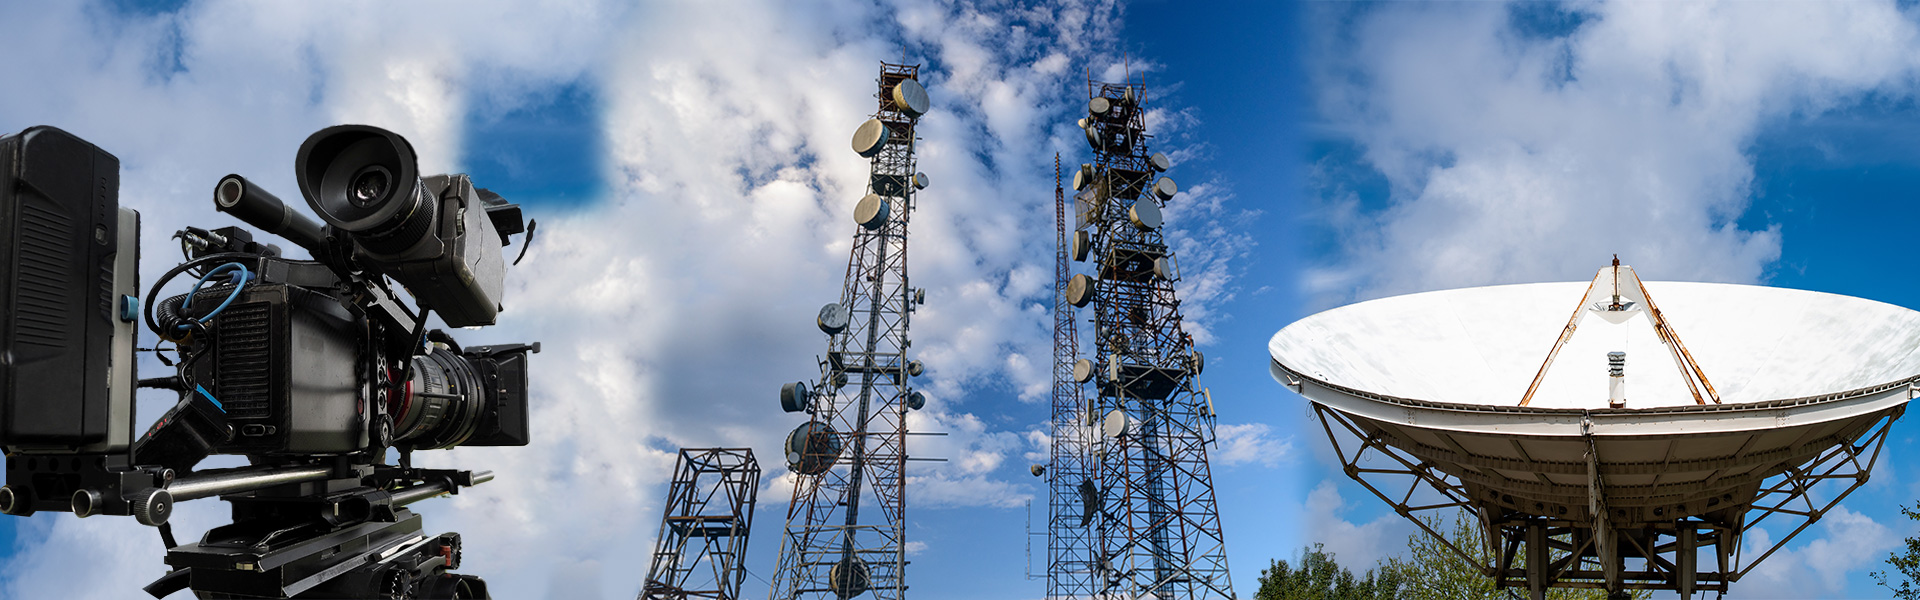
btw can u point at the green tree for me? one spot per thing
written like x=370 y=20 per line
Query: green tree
x=1432 y=570
x=1319 y=577
x=1907 y=564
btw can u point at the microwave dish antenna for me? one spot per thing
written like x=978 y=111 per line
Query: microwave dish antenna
x=1442 y=400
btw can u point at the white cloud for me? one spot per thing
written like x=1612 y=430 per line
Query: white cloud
x=671 y=311
x=1514 y=154
x=1359 y=546
x=1250 y=443
x=1819 y=568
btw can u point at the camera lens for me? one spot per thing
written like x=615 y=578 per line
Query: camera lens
x=370 y=186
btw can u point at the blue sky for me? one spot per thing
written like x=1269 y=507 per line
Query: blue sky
x=689 y=170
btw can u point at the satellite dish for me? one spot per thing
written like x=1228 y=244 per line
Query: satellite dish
x=1145 y=215
x=1440 y=378
x=872 y=210
x=849 y=576
x=1093 y=136
x=1079 y=290
x=1082 y=245
x=911 y=98
x=1163 y=267
x=793 y=396
x=870 y=138
x=920 y=181
x=833 y=318
x=1099 y=106
x=1115 y=423
x=1083 y=177
x=1082 y=370
x=1159 y=161
x=812 y=448
x=916 y=400
x=1165 y=188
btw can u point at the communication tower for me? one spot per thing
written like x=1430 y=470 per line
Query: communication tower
x=1153 y=512
x=1070 y=549
x=851 y=453
x=708 y=518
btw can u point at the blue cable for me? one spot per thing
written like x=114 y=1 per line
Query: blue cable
x=240 y=279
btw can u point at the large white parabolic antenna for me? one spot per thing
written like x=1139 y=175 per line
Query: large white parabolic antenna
x=1732 y=403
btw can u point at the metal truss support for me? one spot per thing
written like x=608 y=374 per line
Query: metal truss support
x=1535 y=552
x=704 y=532
x=1157 y=525
x=846 y=526
x=1070 y=547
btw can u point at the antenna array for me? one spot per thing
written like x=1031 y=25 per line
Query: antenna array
x=1145 y=487
x=851 y=453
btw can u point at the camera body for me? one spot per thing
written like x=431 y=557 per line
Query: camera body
x=312 y=369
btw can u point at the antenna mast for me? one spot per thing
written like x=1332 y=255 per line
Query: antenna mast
x=851 y=453
x=1150 y=504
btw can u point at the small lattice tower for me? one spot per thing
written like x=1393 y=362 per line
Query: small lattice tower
x=846 y=526
x=1070 y=549
x=1155 y=522
x=708 y=518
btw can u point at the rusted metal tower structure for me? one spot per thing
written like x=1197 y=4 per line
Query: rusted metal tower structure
x=1070 y=548
x=708 y=518
x=851 y=453
x=1156 y=525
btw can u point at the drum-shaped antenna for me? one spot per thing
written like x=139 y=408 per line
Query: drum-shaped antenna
x=1082 y=244
x=920 y=181
x=1165 y=188
x=1082 y=370
x=914 y=368
x=1083 y=177
x=1114 y=424
x=1099 y=106
x=1080 y=290
x=916 y=400
x=870 y=138
x=872 y=210
x=812 y=448
x=1145 y=215
x=1160 y=161
x=833 y=318
x=1196 y=362
x=911 y=98
x=793 y=396
x=848 y=578
x=1037 y=470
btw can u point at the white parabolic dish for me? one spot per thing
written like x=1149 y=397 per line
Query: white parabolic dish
x=1441 y=375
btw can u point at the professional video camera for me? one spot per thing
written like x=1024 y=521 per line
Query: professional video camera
x=312 y=369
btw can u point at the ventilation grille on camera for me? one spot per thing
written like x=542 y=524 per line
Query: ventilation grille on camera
x=243 y=334
x=44 y=258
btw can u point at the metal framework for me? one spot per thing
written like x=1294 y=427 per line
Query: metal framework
x=704 y=531
x=833 y=548
x=1070 y=549
x=1536 y=553
x=1157 y=529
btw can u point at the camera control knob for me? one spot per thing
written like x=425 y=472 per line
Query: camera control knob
x=152 y=507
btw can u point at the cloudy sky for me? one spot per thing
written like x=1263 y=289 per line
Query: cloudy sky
x=689 y=168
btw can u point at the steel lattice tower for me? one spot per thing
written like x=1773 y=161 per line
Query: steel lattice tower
x=1069 y=525
x=708 y=518
x=1158 y=528
x=852 y=454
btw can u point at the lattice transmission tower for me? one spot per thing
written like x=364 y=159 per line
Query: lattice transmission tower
x=846 y=533
x=1070 y=484
x=1155 y=523
x=708 y=517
